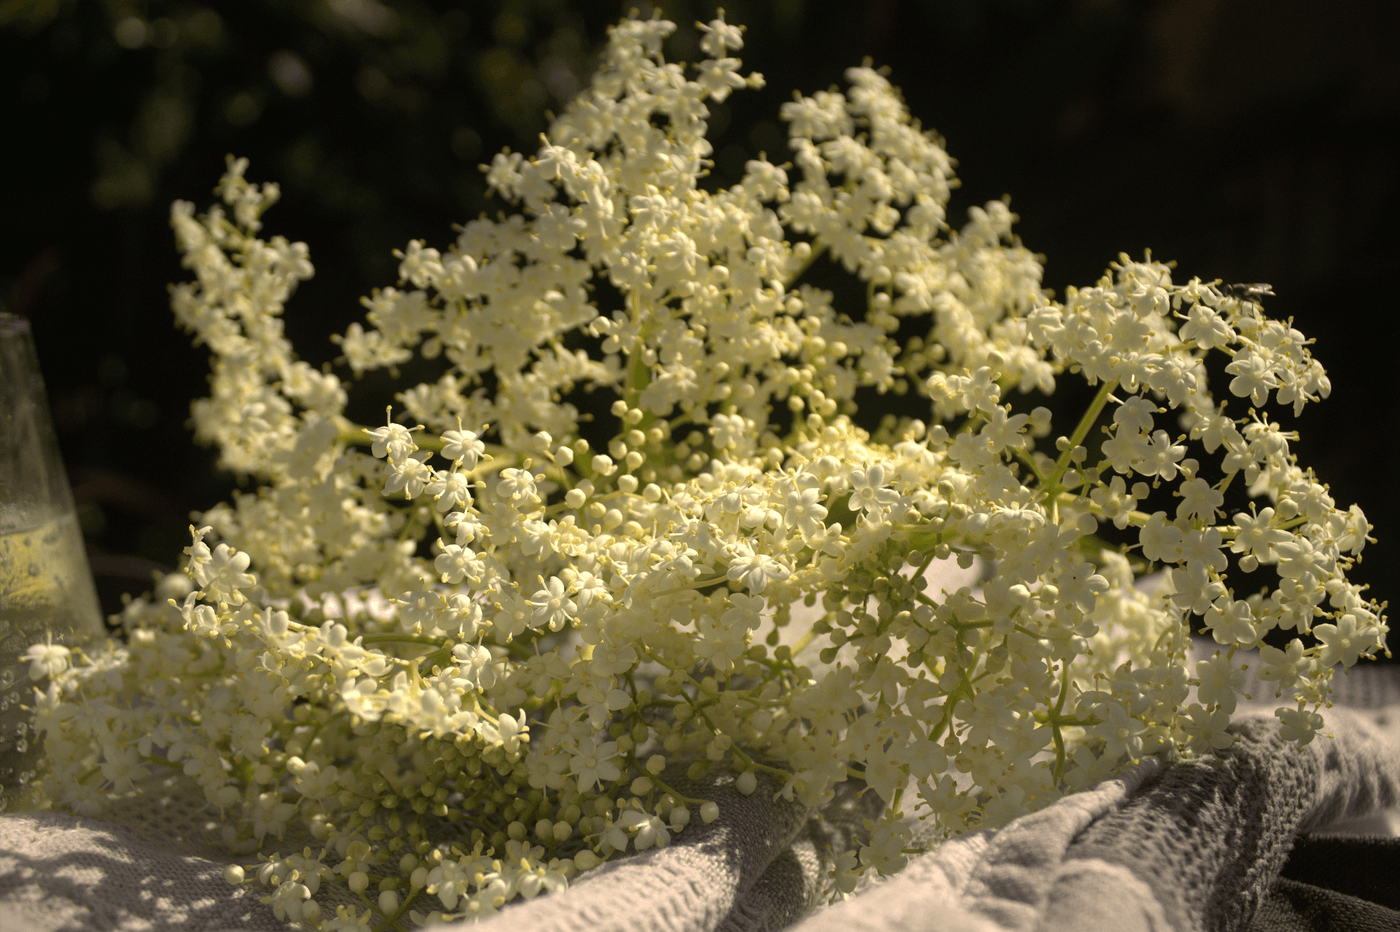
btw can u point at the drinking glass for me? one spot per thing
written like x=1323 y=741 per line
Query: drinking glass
x=46 y=587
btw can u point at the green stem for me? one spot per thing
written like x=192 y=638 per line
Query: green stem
x=401 y=639
x=695 y=584
x=1029 y=460
x=671 y=791
x=638 y=372
x=1135 y=518
x=804 y=640
x=1086 y=423
x=818 y=249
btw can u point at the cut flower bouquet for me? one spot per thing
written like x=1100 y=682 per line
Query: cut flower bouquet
x=631 y=534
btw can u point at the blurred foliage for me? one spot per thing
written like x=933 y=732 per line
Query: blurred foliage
x=1248 y=139
x=339 y=97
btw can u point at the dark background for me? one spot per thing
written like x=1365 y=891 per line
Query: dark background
x=1249 y=140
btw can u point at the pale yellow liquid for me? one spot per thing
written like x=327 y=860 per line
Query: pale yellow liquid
x=46 y=590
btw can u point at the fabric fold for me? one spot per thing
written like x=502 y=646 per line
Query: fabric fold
x=1193 y=846
x=694 y=884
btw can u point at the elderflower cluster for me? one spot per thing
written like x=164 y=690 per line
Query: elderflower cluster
x=631 y=534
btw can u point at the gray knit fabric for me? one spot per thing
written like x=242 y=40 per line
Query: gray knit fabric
x=1191 y=847
x=697 y=884
x=1183 y=848
x=60 y=872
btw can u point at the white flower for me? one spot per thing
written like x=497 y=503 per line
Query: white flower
x=1219 y=682
x=393 y=441
x=1081 y=586
x=718 y=37
x=1298 y=725
x=1231 y=622
x=641 y=572
x=869 y=494
x=121 y=766
x=409 y=475
x=592 y=763
x=451 y=489
x=463 y=446
x=647 y=830
x=1122 y=734
x=1207 y=728
x=1344 y=641
x=219 y=573
x=1256 y=535
x=515 y=484
x=47 y=659
x=1206 y=327
x=552 y=606
x=805 y=512
x=1160 y=457
x=1199 y=500
x=755 y=570
x=1287 y=666
x=1253 y=377
x=720 y=76
x=449 y=881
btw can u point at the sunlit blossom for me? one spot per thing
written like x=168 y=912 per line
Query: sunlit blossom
x=637 y=526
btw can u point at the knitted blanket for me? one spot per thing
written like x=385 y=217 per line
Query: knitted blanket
x=1200 y=846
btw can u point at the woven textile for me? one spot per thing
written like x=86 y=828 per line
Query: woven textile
x=1190 y=847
